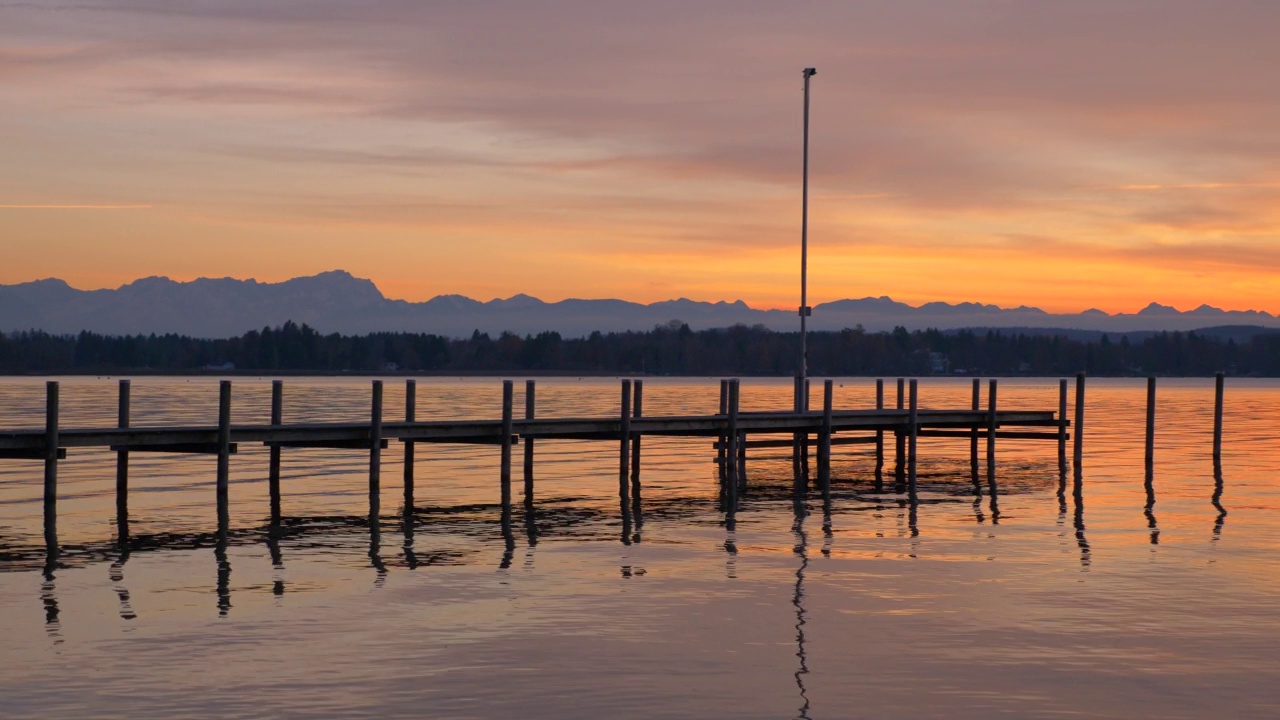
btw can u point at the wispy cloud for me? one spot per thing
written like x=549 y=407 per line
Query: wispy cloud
x=57 y=206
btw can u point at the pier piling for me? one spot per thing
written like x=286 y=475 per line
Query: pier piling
x=375 y=452
x=991 y=430
x=224 y=447
x=1217 y=418
x=1151 y=422
x=505 y=463
x=122 y=462
x=1062 y=425
x=637 y=411
x=624 y=450
x=913 y=419
x=900 y=440
x=731 y=432
x=530 y=411
x=273 y=466
x=410 y=449
x=824 y=444
x=1078 y=455
x=51 y=471
x=976 y=404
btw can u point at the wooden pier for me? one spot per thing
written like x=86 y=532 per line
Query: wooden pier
x=733 y=433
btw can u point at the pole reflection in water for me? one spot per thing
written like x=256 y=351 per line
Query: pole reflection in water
x=116 y=574
x=224 y=568
x=508 y=545
x=797 y=600
x=731 y=552
x=1149 y=509
x=49 y=599
x=277 y=565
x=406 y=528
x=977 y=485
x=1217 y=502
x=1081 y=541
x=375 y=551
x=994 y=497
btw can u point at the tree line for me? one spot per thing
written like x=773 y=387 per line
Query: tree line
x=670 y=349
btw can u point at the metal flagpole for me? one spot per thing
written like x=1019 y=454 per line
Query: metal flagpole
x=805 y=310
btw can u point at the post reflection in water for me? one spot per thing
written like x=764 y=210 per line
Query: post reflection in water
x=1217 y=501
x=116 y=574
x=1082 y=541
x=277 y=564
x=224 y=568
x=406 y=528
x=375 y=551
x=801 y=549
x=977 y=489
x=1149 y=509
x=994 y=495
x=49 y=599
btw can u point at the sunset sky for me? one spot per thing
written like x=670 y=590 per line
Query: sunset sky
x=1065 y=155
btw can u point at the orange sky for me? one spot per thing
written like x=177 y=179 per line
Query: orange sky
x=1066 y=155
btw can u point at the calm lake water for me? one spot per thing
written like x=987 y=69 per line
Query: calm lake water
x=1129 y=600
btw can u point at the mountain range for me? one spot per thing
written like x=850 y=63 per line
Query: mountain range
x=337 y=301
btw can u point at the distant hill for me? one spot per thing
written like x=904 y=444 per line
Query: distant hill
x=339 y=302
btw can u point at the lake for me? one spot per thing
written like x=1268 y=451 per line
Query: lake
x=1128 y=599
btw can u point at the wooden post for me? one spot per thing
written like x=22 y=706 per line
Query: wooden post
x=224 y=446
x=122 y=459
x=530 y=402
x=722 y=451
x=1217 y=418
x=410 y=448
x=731 y=432
x=1079 y=435
x=273 y=468
x=879 y=433
x=1151 y=422
x=375 y=453
x=51 y=470
x=913 y=430
x=505 y=471
x=991 y=431
x=637 y=410
x=805 y=392
x=824 y=444
x=798 y=438
x=900 y=440
x=624 y=449
x=1062 y=425
x=976 y=404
